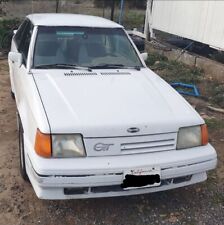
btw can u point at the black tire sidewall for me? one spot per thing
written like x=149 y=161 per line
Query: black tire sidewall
x=21 y=153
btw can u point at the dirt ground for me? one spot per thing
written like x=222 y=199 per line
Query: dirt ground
x=199 y=204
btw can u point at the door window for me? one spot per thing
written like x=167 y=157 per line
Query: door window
x=19 y=33
x=25 y=41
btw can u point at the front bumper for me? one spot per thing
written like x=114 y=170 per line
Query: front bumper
x=101 y=176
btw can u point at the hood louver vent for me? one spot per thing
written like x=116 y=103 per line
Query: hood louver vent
x=115 y=73
x=79 y=74
x=91 y=74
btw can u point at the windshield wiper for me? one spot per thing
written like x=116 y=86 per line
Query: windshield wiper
x=114 y=66
x=61 y=66
x=107 y=66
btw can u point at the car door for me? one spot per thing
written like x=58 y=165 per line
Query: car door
x=22 y=42
x=16 y=40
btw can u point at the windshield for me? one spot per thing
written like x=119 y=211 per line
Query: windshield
x=84 y=47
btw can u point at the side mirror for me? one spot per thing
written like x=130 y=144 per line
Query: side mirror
x=14 y=32
x=16 y=57
x=144 y=56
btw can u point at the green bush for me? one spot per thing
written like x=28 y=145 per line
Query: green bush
x=173 y=71
x=153 y=58
x=6 y=31
x=216 y=91
x=215 y=123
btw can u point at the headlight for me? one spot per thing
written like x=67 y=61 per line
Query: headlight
x=65 y=146
x=189 y=137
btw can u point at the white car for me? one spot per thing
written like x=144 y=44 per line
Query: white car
x=93 y=120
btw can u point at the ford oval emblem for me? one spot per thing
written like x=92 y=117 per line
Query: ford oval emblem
x=133 y=130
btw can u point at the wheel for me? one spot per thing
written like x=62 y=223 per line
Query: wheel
x=12 y=95
x=21 y=153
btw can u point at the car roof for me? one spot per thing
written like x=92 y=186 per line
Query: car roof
x=60 y=19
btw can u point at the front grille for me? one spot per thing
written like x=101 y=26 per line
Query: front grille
x=149 y=143
x=152 y=145
x=131 y=144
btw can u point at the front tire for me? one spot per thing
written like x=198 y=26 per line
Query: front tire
x=21 y=153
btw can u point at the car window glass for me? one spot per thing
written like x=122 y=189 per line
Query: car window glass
x=84 y=46
x=19 y=33
x=124 y=47
x=25 y=42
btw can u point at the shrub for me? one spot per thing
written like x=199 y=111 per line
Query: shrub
x=6 y=31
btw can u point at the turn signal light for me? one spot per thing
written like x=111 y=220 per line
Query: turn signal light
x=204 y=134
x=43 y=144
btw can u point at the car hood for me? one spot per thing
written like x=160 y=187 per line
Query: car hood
x=108 y=103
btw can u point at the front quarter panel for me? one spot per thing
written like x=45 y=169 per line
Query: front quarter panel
x=30 y=109
x=28 y=100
